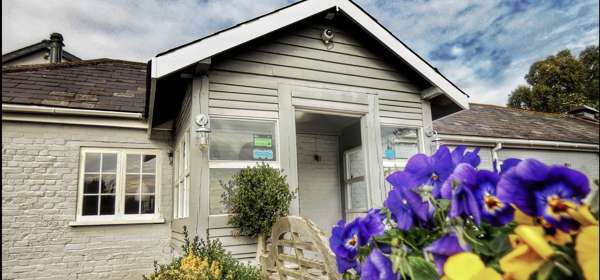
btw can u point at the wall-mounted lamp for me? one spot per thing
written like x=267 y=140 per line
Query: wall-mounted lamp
x=202 y=131
x=435 y=139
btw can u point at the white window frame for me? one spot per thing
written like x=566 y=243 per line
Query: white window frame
x=119 y=217
x=181 y=190
x=388 y=163
x=349 y=181
x=240 y=164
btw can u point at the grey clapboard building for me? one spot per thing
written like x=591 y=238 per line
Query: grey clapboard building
x=105 y=161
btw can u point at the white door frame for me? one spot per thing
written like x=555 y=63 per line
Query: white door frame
x=370 y=133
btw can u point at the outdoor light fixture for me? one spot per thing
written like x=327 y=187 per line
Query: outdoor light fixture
x=202 y=131
x=435 y=141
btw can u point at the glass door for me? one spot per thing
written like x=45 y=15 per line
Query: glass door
x=355 y=186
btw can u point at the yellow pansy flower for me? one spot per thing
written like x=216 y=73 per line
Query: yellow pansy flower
x=468 y=266
x=530 y=251
x=586 y=249
x=583 y=215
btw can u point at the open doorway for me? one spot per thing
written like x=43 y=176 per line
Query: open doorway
x=331 y=169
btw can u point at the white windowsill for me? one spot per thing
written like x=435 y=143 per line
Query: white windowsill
x=116 y=222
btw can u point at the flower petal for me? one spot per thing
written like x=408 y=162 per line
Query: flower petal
x=420 y=167
x=463 y=266
x=586 y=250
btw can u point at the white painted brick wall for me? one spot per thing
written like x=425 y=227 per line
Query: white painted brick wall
x=40 y=165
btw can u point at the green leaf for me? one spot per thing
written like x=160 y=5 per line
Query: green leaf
x=544 y=272
x=422 y=269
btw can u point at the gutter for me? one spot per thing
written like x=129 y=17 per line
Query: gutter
x=14 y=108
x=499 y=143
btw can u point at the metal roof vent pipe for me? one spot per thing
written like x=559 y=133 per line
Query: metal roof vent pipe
x=56 y=45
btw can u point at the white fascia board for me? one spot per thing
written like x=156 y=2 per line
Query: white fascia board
x=185 y=56
x=558 y=145
x=404 y=53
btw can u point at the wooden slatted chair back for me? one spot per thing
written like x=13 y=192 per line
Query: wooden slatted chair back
x=299 y=250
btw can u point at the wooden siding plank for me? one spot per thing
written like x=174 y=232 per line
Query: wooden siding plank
x=243 y=113
x=286 y=49
x=235 y=240
x=242 y=88
x=242 y=97
x=330 y=105
x=312 y=75
x=292 y=61
x=220 y=232
x=237 y=80
x=400 y=96
x=395 y=121
x=407 y=116
x=320 y=94
x=400 y=103
x=214 y=103
x=400 y=109
x=319 y=45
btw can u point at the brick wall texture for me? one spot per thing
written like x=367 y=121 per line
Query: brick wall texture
x=40 y=167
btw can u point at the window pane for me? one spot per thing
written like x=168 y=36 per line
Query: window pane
x=132 y=204
x=399 y=143
x=133 y=163
x=91 y=183
x=109 y=162
x=148 y=182
x=219 y=179
x=242 y=140
x=147 y=204
x=92 y=162
x=132 y=184
x=149 y=164
x=357 y=164
x=108 y=183
x=89 y=205
x=107 y=205
x=358 y=195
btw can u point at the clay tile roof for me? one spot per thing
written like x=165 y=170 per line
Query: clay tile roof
x=100 y=84
x=502 y=122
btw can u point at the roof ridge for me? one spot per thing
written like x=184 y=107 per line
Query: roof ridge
x=18 y=68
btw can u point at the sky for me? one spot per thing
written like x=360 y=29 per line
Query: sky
x=483 y=46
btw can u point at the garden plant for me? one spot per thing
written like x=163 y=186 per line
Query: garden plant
x=445 y=218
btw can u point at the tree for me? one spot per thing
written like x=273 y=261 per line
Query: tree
x=559 y=82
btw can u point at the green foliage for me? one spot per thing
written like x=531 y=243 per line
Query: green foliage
x=260 y=197
x=559 y=82
x=211 y=252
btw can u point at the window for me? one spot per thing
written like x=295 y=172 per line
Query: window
x=118 y=184
x=354 y=180
x=398 y=145
x=182 y=179
x=236 y=144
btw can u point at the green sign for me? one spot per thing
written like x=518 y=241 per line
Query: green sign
x=263 y=140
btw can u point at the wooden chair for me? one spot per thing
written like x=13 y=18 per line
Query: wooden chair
x=298 y=250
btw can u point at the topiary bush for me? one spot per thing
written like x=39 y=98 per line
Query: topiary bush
x=204 y=260
x=260 y=197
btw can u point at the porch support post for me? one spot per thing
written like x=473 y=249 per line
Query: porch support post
x=199 y=184
x=287 y=144
x=427 y=127
x=371 y=139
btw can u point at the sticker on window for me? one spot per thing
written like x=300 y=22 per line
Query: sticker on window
x=262 y=140
x=262 y=154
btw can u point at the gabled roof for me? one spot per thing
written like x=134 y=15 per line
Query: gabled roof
x=501 y=122
x=180 y=57
x=43 y=45
x=100 y=84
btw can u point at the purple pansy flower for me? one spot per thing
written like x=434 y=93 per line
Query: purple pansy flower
x=460 y=188
x=459 y=156
x=344 y=242
x=506 y=165
x=443 y=248
x=432 y=171
x=493 y=210
x=346 y=239
x=544 y=191
x=377 y=267
x=405 y=205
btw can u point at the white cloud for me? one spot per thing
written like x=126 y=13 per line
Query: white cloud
x=489 y=44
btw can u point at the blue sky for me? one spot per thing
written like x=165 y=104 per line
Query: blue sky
x=485 y=47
